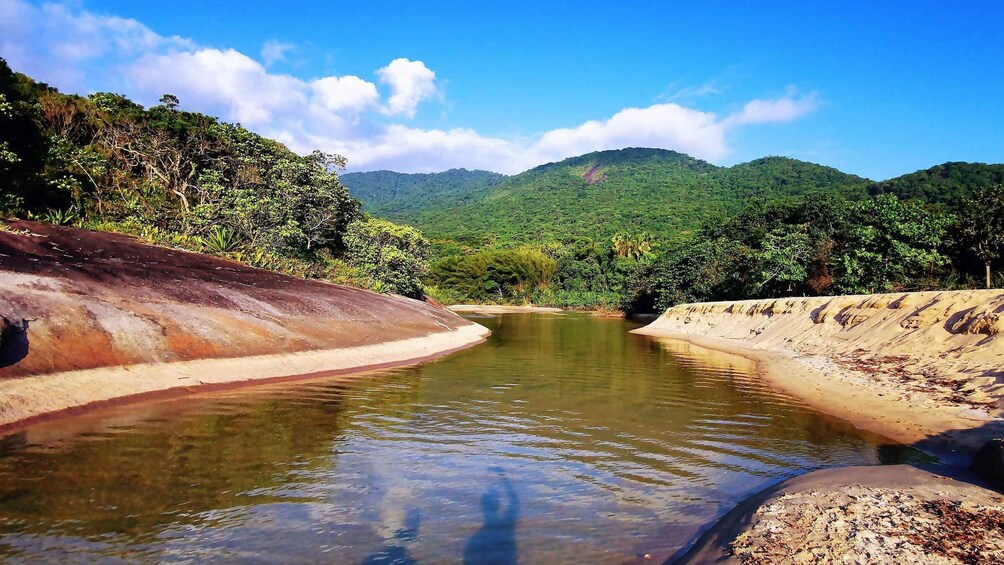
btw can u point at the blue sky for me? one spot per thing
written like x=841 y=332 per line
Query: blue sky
x=877 y=89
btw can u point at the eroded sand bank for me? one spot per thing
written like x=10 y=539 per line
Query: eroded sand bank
x=110 y=318
x=923 y=368
x=890 y=514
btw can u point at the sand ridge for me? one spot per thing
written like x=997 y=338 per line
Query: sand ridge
x=923 y=368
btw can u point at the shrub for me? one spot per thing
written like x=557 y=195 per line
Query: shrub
x=495 y=276
x=393 y=257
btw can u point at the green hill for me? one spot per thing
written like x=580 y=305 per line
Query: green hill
x=630 y=190
x=398 y=195
x=947 y=184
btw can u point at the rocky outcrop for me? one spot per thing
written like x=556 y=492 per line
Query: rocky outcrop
x=109 y=308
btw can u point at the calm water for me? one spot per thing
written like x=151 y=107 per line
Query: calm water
x=562 y=439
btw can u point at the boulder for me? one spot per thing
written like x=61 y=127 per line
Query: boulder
x=988 y=463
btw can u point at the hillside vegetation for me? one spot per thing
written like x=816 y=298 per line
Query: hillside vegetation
x=399 y=196
x=600 y=194
x=188 y=180
x=642 y=228
x=948 y=184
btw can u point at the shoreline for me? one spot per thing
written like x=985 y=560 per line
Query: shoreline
x=95 y=318
x=34 y=399
x=895 y=365
x=922 y=369
x=952 y=434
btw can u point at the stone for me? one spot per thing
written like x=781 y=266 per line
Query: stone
x=988 y=463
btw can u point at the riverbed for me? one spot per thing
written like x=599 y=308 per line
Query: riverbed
x=563 y=438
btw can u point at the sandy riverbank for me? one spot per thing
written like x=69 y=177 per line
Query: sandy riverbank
x=109 y=319
x=890 y=514
x=925 y=369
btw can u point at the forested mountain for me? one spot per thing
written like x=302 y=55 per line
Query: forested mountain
x=631 y=228
x=948 y=184
x=402 y=195
x=632 y=190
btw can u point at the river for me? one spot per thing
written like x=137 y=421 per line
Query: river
x=563 y=438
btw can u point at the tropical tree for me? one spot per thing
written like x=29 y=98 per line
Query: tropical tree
x=890 y=245
x=170 y=101
x=392 y=256
x=982 y=225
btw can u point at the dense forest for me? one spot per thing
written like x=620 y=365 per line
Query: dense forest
x=947 y=185
x=187 y=180
x=633 y=229
x=400 y=196
x=638 y=229
x=608 y=192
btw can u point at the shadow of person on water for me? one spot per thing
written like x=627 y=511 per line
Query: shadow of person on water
x=495 y=542
x=395 y=553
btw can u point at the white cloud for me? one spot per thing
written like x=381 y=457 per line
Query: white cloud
x=345 y=94
x=661 y=125
x=273 y=51
x=55 y=42
x=410 y=83
x=227 y=83
x=80 y=51
x=762 y=111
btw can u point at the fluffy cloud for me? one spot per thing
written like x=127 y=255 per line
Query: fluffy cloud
x=660 y=125
x=226 y=83
x=77 y=50
x=410 y=83
x=784 y=109
x=345 y=94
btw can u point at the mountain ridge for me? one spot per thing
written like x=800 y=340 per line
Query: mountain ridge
x=603 y=192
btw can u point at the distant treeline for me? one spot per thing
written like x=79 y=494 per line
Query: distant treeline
x=787 y=247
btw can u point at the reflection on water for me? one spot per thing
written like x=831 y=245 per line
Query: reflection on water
x=495 y=542
x=563 y=438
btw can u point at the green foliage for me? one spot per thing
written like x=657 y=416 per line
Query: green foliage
x=392 y=256
x=59 y=217
x=111 y=159
x=576 y=299
x=632 y=246
x=602 y=194
x=221 y=240
x=948 y=185
x=399 y=196
x=798 y=247
x=187 y=180
x=890 y=245
x=981 y=226
x=501 y=276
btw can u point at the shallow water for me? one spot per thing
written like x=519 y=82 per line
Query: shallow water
x=561 y=439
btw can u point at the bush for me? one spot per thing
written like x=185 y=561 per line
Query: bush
x=495 y=276
x=393 y=257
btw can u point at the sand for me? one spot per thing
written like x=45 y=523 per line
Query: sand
x=29 y=398
x=925 y=368
x=112 y=319
x=891 y=514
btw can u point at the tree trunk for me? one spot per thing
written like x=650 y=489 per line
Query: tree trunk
x=988 y=274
